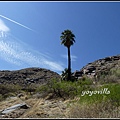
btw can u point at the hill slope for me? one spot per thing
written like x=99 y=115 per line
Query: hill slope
x=26 y=76
x=97 y=68
x=48 y=106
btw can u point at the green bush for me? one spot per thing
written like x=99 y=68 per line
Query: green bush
x=63 y=88
x=114 y=95
x=85 y=81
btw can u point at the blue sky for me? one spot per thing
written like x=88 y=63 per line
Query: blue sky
x=30 y=33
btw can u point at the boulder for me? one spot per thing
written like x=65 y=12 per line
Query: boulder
x=15 y=107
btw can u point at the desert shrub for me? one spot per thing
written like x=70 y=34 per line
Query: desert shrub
x=7 y=90
x=111 y=76
x=30 y=89
x=1 y=97
x=111 y=79
x=116 y=72
x=63 y=88
x=85 y=81
x=114 y=95
x=56 y=87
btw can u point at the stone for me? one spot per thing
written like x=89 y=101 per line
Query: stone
x=107 y=59
x=15 y=107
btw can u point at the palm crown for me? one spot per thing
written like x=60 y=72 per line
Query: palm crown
x=67 y=38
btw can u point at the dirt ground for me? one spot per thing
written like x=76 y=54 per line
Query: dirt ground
x=38 y=108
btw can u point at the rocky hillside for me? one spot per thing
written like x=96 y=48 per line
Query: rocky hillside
x=26 y=76
x=40 y=75
x=20 y=103
x=94 y=69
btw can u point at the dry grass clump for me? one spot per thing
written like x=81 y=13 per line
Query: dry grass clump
x=96 y=110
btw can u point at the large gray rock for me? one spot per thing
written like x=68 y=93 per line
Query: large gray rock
x=14 y=107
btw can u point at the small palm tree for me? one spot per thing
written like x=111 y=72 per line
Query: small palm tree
x=64 y=74
x=67 y=38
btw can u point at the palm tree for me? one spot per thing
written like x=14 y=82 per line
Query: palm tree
x=64 y=74
x=67 y=38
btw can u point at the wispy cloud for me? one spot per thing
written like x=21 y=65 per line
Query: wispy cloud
x=3 y=27
x=73 y=57
x=18 y=53
x=16 y=22
x=53 y=65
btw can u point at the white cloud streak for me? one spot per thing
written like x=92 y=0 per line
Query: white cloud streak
x=3 y=27
x=16 y=22
x=53 y=65
x=20 y=54
x=73 y=57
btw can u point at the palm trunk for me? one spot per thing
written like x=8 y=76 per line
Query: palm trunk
x=69 y=65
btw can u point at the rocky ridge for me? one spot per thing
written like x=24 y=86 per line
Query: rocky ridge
x=27 y=76
x=93 y=69
x=40 y=75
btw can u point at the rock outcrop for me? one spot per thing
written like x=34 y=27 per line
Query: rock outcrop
x=41 y=76
x=27 y=76
x=102 y=65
